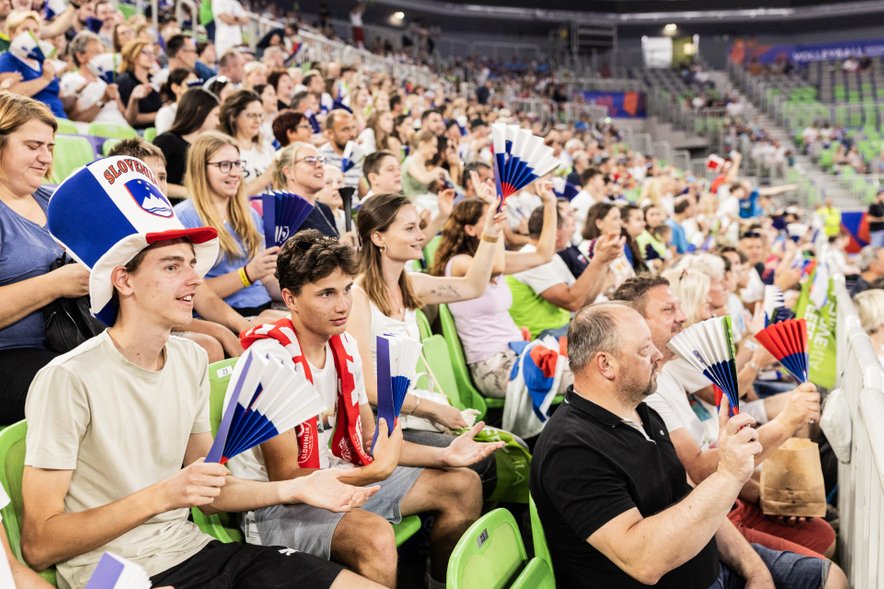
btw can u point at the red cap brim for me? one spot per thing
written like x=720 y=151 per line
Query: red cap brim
x=195 y=235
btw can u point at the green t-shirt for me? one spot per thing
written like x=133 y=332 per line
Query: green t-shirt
x=533 y=311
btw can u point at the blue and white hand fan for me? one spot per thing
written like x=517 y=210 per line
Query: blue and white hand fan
x=708 y=346
x=520 y=158
x=283 y=214
x=115 y=572
x=787 y=341
x=105 y=66
x=264 y=398
x=347 y=161
x=396 y=368
x=314 y=122
x=773 y=301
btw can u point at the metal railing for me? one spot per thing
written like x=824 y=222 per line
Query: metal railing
x=861 y=481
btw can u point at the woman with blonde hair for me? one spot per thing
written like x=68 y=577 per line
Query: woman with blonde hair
x=244 y=275
x=691 y=288
x=137 y=62
x=870 y=306
x=300 y=169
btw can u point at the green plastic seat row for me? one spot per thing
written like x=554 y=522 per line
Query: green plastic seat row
x=491 y=555
x=222 y=526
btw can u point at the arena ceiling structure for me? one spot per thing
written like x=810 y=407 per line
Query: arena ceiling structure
x=632 y=17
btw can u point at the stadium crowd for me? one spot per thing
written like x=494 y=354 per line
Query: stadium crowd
x=638 y=477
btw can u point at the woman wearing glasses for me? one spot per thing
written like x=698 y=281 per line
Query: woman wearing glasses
x=301 y=169
x=197 y=113
x=141 y=100
x=244 y=273
x=241 y=117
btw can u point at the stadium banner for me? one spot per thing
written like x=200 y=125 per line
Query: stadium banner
x=748 y=51
x=621 y=105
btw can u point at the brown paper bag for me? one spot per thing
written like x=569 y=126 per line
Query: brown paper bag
x=792 y=481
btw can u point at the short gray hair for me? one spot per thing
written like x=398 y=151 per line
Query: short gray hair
x=593 y=330
x=80 y=43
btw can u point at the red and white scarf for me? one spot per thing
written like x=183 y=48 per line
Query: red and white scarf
x=347 y=437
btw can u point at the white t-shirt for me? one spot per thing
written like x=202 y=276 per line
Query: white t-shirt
x=256 y=159
x=226 y=36
x=545 y=276
x=520 y=206
x=120 y=428
x=165 y=117
x=71 y=84
x=672 y=403
x=250 y=464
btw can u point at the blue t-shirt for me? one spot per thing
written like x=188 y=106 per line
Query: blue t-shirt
x=749 y=208
x=678 y=237
x=48 y=95
x=251 y=296
x=26 y=251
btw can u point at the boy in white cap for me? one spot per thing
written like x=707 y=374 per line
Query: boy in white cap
x=111 y=423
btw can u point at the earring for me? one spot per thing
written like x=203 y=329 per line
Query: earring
x=384 y=248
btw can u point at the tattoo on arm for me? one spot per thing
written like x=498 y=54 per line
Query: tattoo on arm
x=445 y=291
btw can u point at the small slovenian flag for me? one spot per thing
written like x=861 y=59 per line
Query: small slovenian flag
x=396 y=367
x=708 y=346
x=264 y=398
x=787 y=342
x=520 y=158
x=347 y=161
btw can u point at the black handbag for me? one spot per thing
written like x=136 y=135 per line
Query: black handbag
x=68 y=323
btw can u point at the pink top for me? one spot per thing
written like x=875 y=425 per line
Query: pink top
x=484 y=324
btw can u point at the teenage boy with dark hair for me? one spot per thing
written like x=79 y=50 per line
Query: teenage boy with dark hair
x=118 y=427
x=316 y=276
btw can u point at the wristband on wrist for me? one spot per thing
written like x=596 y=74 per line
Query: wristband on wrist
x=490 y=238
x=244 y=277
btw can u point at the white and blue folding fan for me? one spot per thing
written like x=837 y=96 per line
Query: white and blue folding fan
x=314 y=122
x=105 y=66
x=774 y=301
x=520 y=158
x=708 y=346
x=264 y=398
x=115 y=572
x=396 y=368
x=786 y=340
x=347 y=161
x=283 y=214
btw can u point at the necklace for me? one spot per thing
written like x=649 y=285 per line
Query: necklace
x=331 y=226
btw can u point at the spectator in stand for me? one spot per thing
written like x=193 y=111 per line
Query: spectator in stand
x=229 y=17
x=356 y=23
x=300 y=168
x=593 y=189
x=544 y=297
x=197 y=113
x=484 y=325
x=231 y=65
x=876 y=219
x=284 y=86
x=870 y=306
x=142 y=102
x=181 y=52
x=485 y=174
x=269 y=102
x=377 y=135
x=633 y=225
x=94 y=99
x=28 y=278
x=340 y=128
x=644 y=524
x=177 y=84
x=383 y=174
x=123 y=33
x=254 y=74
x=241 y=117
x=417 y=178
x=206 y=58
x=330 y=195
x=290 y=126
x=36 y=78
x=652 y=248
x=110 y=17
x=605 y=219
x=244 y=273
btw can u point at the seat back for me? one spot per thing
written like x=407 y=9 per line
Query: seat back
x=436 y=363
x=70 y=153
x=535 y=575
x=150 y=134
x=470 y=395
x=112 y=131
x=541 y=549
x=12 y=465
x=66 y=127
x=489 y=555
x=423 y=324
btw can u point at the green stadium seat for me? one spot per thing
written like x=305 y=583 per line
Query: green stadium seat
x=67 y=127
x=12 y=464
x=541 y=548
x=489 y=555
x=535 y=575
x=222 y=526
x=430 y=251
x=108 y=145
x=470 y=395
x=150 y=134
x=112 y=131
x=423 y=324
x=69 y=154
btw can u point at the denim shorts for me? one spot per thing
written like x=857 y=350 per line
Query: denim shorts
x=788 y=569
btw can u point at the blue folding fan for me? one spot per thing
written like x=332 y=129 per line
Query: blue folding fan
x=283 y=214
x=708 y=346
x=396 y=366
x=520 y=158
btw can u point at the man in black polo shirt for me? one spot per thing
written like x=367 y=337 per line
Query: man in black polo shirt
x=612 y=494
x=876 y=220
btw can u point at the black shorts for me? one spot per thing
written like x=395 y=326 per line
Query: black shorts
x=244 y=566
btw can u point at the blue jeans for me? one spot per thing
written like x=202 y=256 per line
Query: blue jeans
x=789 y=571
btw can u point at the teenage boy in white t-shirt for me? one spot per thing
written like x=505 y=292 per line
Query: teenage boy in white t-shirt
x=118 y=427
x=316 y=275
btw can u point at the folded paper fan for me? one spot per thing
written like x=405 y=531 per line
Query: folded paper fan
x=520 y=158
x=314 y=122
x=787 y=342
x=283 y=214
x=347 y=161
x=265 y=398
x=773 y=300
x=396 y=367
x=115 y=572
x=708 y=346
